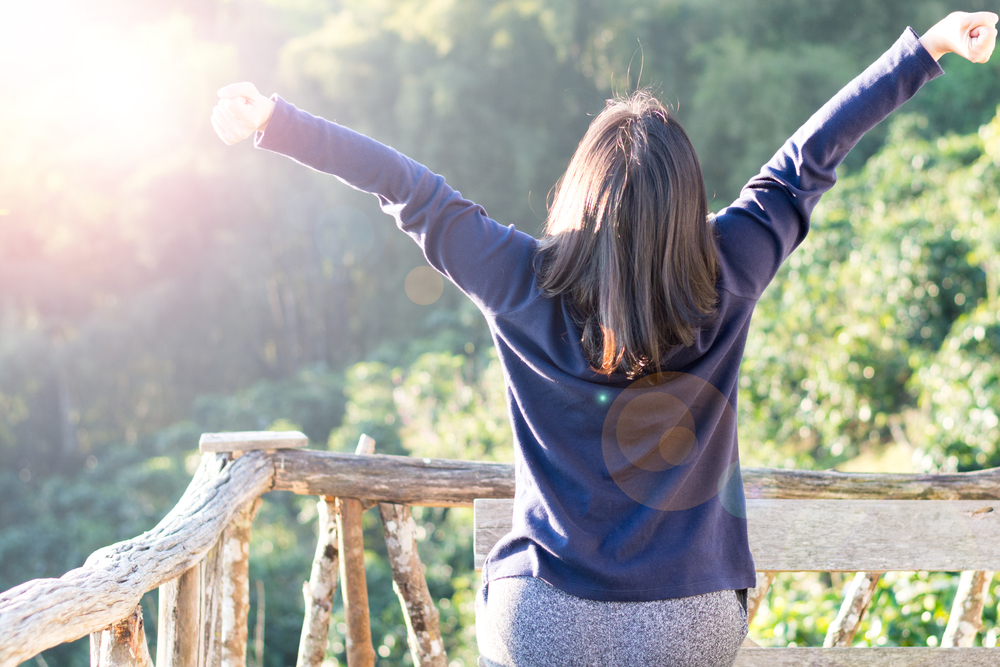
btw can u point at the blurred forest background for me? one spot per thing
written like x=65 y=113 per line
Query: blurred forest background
x=155 y=284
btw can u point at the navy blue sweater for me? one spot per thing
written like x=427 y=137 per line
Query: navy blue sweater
x=625 y=490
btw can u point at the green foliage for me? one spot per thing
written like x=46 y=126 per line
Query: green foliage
x=154 y=287
x=961 y=393
x=907 y=609
x=865 y=302
x=313 y=401
x=442 y=405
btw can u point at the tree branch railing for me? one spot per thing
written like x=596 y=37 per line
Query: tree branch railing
x=197 y=554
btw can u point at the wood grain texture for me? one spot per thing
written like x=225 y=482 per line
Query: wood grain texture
x=246 y=441
x=867 y=657
x=396 y=479
x=874 y=535
x=177 y=621
x=451 y=483
x=43 y=613
x=839 y=535
x=210 y=607
x=830 y=484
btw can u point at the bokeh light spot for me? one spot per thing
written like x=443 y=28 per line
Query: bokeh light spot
x=424 y=285
x=669 y=443
x=656 y=431
x=677 y=444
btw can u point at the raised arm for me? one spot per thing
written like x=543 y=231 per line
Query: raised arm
x=771 y=217
x=489 y=262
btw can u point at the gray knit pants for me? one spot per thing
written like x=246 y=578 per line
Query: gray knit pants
x=525 y=622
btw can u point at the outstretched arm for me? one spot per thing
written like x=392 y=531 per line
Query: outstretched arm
x=771 y=217
x=488 y=262
x=240 y=112
x=971 y=36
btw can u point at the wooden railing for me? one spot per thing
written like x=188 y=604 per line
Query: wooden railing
x=197 y=557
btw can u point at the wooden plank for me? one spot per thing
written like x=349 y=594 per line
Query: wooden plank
x=43 y=613
x=492 y=520
x=839 y=535
x=245 y=441
x=867 y=657
x=875 y=535
x=450 y=483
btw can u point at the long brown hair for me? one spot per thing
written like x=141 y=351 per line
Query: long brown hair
x=628 y=238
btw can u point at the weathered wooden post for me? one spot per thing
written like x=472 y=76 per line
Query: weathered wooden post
x=318 y=591
x=210 y=607
x=756 y=595
x=966 y=618
x=258 y=629
x=857 y=596
x=423 y=632
x=122 y=644
x=177 y=622
x=202 y=614
x=360 y=652
x=236 y=586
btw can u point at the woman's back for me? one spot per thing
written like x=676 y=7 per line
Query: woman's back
x=627 y=490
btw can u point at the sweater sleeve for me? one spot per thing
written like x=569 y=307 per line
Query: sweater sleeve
x=771 y=217
x=489 y=262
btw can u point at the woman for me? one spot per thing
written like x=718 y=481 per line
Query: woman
x=620 y=334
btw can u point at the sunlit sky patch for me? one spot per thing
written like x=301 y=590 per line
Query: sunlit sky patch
x=92 y=82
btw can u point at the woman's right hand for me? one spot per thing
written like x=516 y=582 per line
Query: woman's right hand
x=241 y=112
x=971 y=36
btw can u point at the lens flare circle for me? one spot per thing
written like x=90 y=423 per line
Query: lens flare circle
x=669 y=442
x=423 y=285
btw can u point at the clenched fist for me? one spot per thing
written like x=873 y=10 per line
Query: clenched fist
x=971 y=36
x=241 y=112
